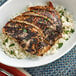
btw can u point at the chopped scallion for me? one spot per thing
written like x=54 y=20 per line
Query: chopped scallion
x=24 y=30
x=65 y=9
x=66 y=32
x=66 y=39
x=11 y=45
x=12 y=52
x=62 y=13
x=6 y=40
x=67 y=19
x=47 y=19
x=72 y=31
x=60 y=45
x=3 y=43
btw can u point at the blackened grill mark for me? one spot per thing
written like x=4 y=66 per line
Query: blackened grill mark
x=50 y=14
x=29 y=19
x=30 y=50
x=42 y=23
x=16 y=34
x=39 y=21
x=35 y=40
x=32 y=18
x=33 y=34
x=51 y=36
x=41 y=45
x=28 y=37
x=38 y=45
x=23 y=45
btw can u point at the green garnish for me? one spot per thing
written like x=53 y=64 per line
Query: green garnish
x=63 y=27
x=24 y=30
x=60 y=16
x=33 y=10
x=65 y=9
x=62 y=13
x=12 y=52
x=66 y=39
x=66 y=32
x=72 y=30
x=6 y=40
x=3 y=43
x=60 y=45
x=47 y=19
x=67 y=19
x=11 y=45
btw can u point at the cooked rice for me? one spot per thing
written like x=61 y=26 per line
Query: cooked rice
x=17 y=52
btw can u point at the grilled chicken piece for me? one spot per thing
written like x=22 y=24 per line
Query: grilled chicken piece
x=49 y=30
x=35 y=30
x=46 y=19
x=27 y=36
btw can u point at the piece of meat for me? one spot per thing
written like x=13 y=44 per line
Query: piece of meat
x=50 y=29
x=42 y=26
x=27 y=36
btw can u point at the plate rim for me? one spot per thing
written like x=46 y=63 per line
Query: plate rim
x=7 y=2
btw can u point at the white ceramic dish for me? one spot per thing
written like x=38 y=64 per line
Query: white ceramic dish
x=10 y=8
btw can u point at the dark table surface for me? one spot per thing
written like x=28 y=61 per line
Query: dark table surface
x=65 y=66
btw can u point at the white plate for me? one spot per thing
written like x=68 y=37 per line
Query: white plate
x=10 y=8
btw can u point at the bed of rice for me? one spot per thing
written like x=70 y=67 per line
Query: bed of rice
x=17 y=52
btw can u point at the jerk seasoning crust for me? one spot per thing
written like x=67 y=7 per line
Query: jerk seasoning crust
x=35 y=30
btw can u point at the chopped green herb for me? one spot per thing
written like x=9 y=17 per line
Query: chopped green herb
x=65 y=9
x=40 y=21
x=60 y=45
x=24 y=30
x=63 y=27
x=62 y=13
x=6 y=40
x=66 y=32
x=11 y=45
x=12 y=52
x=66 y=39
x=67 y=19
x=60 y=16
x=72 y=30
x=33 y=10
x=3 y=43
x=47 y=19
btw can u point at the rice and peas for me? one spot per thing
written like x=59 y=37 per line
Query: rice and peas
x=12 y=49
